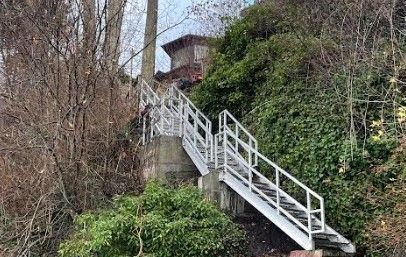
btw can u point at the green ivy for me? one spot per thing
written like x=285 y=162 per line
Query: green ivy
x=267 y=72
x=164 y=222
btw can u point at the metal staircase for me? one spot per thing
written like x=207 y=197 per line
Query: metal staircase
x=284 y=200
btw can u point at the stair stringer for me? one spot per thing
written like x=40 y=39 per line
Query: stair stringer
x=194 y=156
x=344 y=244
x=270 y=213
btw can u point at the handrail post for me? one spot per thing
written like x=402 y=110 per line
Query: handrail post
x=225 y=151
x=195 y=130
x=186 y=117
x=256 y=155
x=181 y=115
x=220 y=117
x=237 y=137
x=309 y=215
x=224 y=123
x=322 y=214
x=161 y=120
x=143 y=130
x=250 y=163
x=278 y=197
x=207 y=146
x=216 y=162
x=211 y=142
x=151 y=127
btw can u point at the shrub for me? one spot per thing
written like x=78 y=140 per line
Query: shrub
x=162 y=222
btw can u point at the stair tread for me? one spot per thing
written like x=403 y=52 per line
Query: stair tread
x=327 y=241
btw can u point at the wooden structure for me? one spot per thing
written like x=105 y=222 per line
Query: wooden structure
x=189 y=58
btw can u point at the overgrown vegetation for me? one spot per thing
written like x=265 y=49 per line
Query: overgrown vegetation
x=161 y=222
x=65 y=142
x=322 y=85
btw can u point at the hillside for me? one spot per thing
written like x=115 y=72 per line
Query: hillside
x=322 y=85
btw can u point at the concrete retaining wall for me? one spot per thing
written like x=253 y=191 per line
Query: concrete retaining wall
x=165 y=159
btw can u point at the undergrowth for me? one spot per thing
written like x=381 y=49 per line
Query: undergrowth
x=162 y=222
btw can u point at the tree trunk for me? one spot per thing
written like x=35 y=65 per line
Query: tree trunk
x=115 y=11
x=148 y=56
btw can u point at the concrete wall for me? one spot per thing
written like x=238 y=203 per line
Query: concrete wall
x=218 y=192
x=165 y=159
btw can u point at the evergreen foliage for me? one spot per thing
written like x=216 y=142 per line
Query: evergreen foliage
x=161 y=222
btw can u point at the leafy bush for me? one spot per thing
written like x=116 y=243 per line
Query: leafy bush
x=162 y=222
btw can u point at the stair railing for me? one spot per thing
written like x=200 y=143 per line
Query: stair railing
x=154 y=123
x=157 y=119
x=228 y=122
x=196 y=127
x=239 y=145
x=148 y=96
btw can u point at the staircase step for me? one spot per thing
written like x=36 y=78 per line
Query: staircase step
x=329 y=244
x=324 y=236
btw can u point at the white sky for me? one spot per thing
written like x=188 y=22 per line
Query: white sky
x=170 y=13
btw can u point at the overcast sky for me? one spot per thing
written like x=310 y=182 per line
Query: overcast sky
x=171 y=12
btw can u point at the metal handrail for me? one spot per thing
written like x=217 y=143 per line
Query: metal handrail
x=157 y=121
x=185 y=99
x=238 y=129
x=233 y=149
x=148 y=95
x=238 y=145
x=192 y=116
x=157 y=114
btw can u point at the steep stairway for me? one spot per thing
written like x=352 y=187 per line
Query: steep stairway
x=285 y=201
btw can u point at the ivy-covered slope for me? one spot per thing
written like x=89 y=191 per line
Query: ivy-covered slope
x=332 y=121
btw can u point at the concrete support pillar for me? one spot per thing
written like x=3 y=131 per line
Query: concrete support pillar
x=210 y=186
x=217 y=191
x=230 y=201
x=165 y=160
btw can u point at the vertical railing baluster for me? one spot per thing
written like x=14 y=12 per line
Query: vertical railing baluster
x=309 y=216
x=236 y=138
x=322 y=215
x=278 y=197
x=216 y=162
x=195 y=130
x=143 y=130
x=250 y=163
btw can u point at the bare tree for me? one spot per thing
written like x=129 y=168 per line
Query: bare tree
x=214 y=16
x=62 y=144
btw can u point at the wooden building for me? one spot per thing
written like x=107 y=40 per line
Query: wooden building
x=189 y=59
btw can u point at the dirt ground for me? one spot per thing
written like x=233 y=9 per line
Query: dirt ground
x=264 y=238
